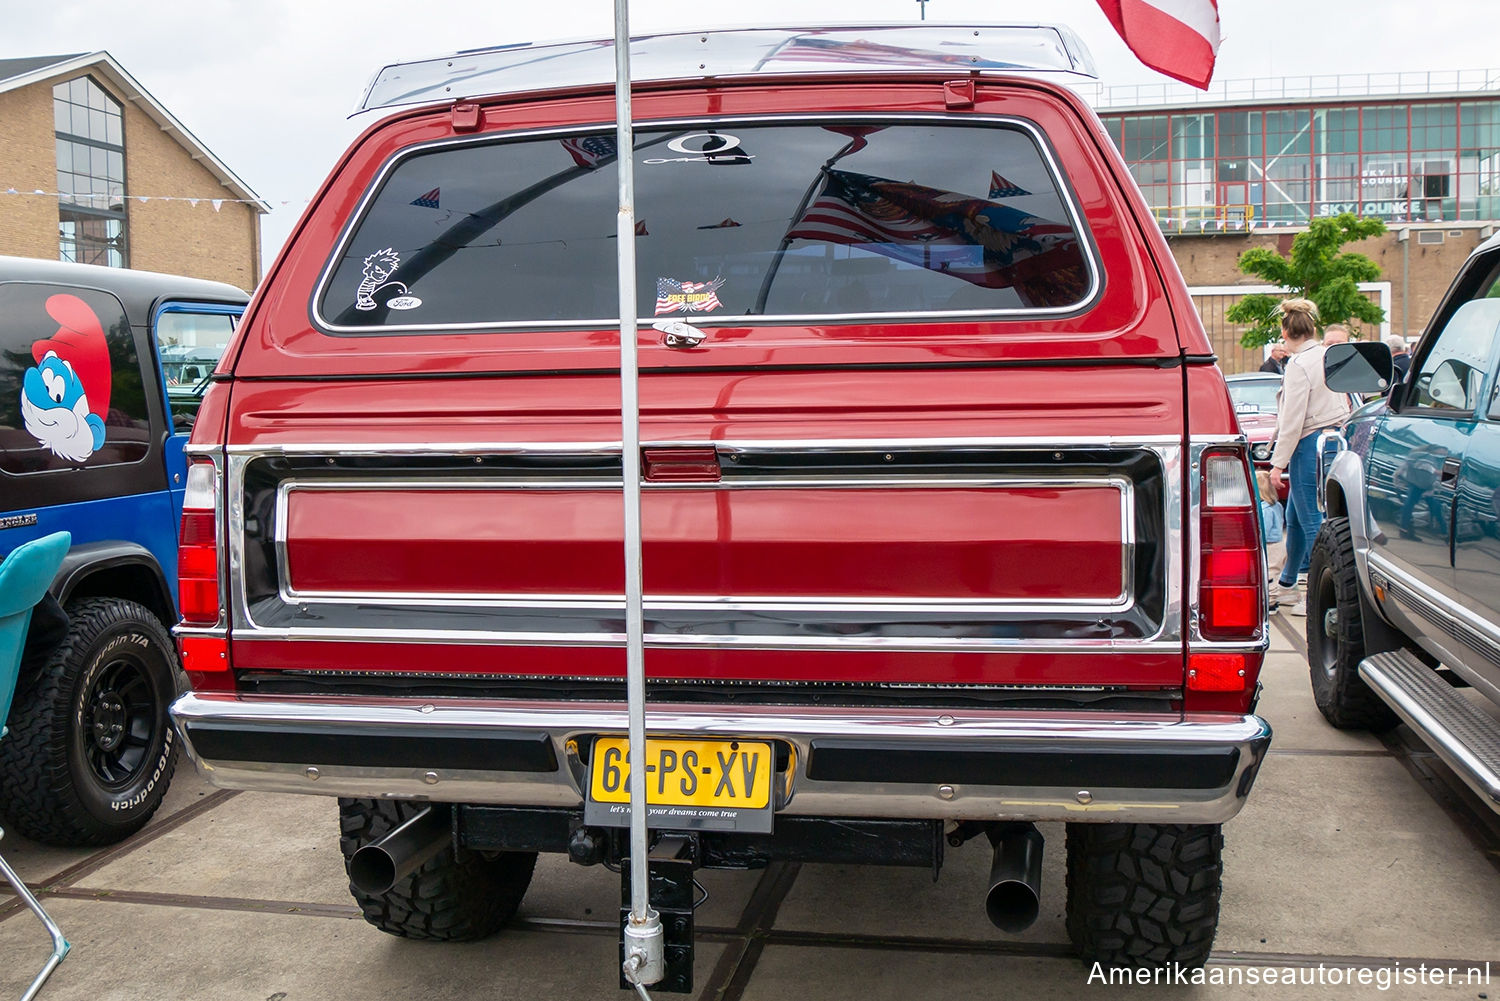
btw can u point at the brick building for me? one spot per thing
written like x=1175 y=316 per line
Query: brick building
x=94 y=169
x=1250 y=162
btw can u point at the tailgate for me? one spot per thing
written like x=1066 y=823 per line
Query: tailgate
x=980 y=560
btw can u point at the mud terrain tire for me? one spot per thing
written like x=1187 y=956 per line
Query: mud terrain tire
x=446 y=899
x=1335 y=634
x=1144 y=895
x=91 y=750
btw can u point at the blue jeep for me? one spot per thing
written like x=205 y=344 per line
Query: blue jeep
x=92 y=429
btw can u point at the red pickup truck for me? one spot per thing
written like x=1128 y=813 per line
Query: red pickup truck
x=948 y=524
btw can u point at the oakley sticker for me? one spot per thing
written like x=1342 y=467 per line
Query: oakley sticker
x=65 y=396
x=378 y=269
x=673 y=296
x=705 y=147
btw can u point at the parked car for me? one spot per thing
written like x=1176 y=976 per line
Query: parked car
x=1256 y=395
x=1404 y=585
x=87 y=446
x=948 y=525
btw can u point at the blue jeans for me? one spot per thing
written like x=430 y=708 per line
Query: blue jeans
x=1302 y=515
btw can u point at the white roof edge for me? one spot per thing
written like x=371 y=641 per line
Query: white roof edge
x=132 y=91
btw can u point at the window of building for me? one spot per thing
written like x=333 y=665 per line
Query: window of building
x=89 y=128
x=1426 y=161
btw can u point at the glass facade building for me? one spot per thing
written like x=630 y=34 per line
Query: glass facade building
x=1400 y=160
x=90 y=132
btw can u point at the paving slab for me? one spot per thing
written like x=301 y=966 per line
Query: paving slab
x=37 y=862
x=871 y=974
x=1286 y=702
x=264 y=846
x=1341 y=855
x=562 y=889
x=269 y=846
x=876 y=900
x=131 y=952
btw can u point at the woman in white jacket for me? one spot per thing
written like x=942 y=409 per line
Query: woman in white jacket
x=1307 y=407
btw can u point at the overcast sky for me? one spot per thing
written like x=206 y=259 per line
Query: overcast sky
x=268 y=85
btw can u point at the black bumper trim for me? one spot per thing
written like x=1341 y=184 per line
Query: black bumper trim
x=1035 y=765
x=377 y=747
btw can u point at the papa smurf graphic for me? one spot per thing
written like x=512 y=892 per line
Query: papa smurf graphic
x=65 y=397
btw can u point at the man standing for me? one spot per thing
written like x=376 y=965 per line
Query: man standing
x=1277 y=362
x=1335 y=333
x=1400 y=357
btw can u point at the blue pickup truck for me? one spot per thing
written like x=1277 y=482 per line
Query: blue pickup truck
x=93 y=419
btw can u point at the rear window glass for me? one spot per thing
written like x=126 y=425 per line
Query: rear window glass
x=71 y=394
x=744 y=220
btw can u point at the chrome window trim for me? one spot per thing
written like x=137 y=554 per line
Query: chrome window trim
x=1121 y=601
x=895 y=644
x=596 y=448
x=1167 y=450
x=1075 y=217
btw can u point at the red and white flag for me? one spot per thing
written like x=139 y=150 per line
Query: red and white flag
x=1175 y=37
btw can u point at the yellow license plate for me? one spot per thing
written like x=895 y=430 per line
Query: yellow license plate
x=727 y=774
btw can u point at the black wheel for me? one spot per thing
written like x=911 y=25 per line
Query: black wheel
x=448 y=899
x=91 y=749
x=1335 y=634
x=1144 y=895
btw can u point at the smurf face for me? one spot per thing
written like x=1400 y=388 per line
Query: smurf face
x=55 y=408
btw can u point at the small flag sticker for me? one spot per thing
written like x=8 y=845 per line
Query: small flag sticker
x=1001 y=188
x=427 y=201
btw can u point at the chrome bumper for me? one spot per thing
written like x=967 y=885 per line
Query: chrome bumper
x=842 y=762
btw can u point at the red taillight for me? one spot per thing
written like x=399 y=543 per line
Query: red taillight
x=198 y=549
x=206 y=661
x=1231 y=565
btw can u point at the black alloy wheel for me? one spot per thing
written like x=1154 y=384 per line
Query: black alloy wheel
x=120 y=722
x=91 y=749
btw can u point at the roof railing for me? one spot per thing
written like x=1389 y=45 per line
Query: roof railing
x=735 y=52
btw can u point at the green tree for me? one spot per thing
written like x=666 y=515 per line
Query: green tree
x=1316 y=270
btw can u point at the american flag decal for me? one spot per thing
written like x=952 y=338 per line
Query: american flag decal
x=1001 y=188
x=590 y=151
x=673 y=296
x=429 y=200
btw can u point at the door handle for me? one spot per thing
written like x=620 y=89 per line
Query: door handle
x=678 y=334
x=1451 y=466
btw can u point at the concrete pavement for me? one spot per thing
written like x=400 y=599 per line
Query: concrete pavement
x=1343 y=859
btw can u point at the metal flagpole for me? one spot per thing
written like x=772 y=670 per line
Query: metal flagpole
x=645 y=961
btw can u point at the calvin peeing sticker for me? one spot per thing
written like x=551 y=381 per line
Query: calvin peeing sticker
x=377 y=285
x=65 y=397
x=673 y=296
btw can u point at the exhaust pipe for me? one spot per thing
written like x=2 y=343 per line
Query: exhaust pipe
x=1015 y=894
x=380 y=865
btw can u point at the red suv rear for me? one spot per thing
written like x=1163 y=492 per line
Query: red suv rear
x=948 y=525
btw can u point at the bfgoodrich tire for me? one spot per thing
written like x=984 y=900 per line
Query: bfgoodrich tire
x=1144 y=895
x=448 y=899
x=1335 y=634
x=91 y=750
